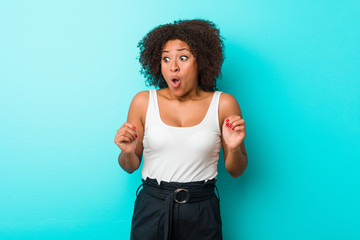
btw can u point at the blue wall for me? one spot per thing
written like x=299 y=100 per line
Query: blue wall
x=68 y=71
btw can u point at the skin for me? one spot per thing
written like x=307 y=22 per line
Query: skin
x=182 y=106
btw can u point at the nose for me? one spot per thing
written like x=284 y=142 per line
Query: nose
x=174 y=66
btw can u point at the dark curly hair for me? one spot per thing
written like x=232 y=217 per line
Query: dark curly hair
x=205 y=44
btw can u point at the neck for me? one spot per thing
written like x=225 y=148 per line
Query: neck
x=194 y=94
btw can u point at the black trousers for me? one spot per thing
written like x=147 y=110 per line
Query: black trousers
x=165 y=212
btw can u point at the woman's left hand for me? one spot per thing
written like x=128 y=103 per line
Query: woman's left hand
x=233 y=131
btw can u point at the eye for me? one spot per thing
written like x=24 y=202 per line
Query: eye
x=166 y=59
x=183 y=58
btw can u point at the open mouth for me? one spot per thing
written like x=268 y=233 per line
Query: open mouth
x=175 y=82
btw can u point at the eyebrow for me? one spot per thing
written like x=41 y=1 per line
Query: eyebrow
x=181 y=49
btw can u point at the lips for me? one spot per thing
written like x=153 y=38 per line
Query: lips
x=175 y=82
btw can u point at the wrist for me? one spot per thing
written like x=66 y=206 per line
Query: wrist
x=127 y=154
x=234 y=150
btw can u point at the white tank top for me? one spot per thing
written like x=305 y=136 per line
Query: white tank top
x=181 y=154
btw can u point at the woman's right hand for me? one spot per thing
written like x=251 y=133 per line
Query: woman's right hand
x=126 y=138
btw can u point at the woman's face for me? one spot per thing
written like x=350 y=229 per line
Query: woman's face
x=179 y=67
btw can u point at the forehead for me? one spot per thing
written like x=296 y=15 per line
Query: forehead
x=175 y=45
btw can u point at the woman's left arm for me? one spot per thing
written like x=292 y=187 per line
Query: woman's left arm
x=233 y=134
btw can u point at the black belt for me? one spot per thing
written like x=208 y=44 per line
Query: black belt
x=177 y=193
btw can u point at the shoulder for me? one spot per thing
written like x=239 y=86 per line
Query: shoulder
x=139 y=104
x=142 y=96
x=228 y=105
x=227 y=101
x=141 y=99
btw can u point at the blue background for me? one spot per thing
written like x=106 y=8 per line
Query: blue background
x=68 y=72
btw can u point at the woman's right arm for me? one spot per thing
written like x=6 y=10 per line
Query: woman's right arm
x=130 y=135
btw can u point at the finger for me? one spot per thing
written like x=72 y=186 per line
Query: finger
x=128 y=134
x=238 y=122
x=126 y=125
x=234 y=120
x=132 y=132
x=123 y=139
x=129 y=125
x=238 y=128
x=128 y=138
x=127 y=128
x=232 y=124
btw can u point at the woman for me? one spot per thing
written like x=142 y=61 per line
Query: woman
x=179 y=130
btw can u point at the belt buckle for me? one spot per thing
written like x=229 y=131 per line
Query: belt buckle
x=179 y=190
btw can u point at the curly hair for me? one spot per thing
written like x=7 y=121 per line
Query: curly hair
x=205 y=44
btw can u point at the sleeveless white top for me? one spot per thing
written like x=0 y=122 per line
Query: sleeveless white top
x=181 y=154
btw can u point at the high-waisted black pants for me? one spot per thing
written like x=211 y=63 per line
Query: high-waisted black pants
x=176 y=211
